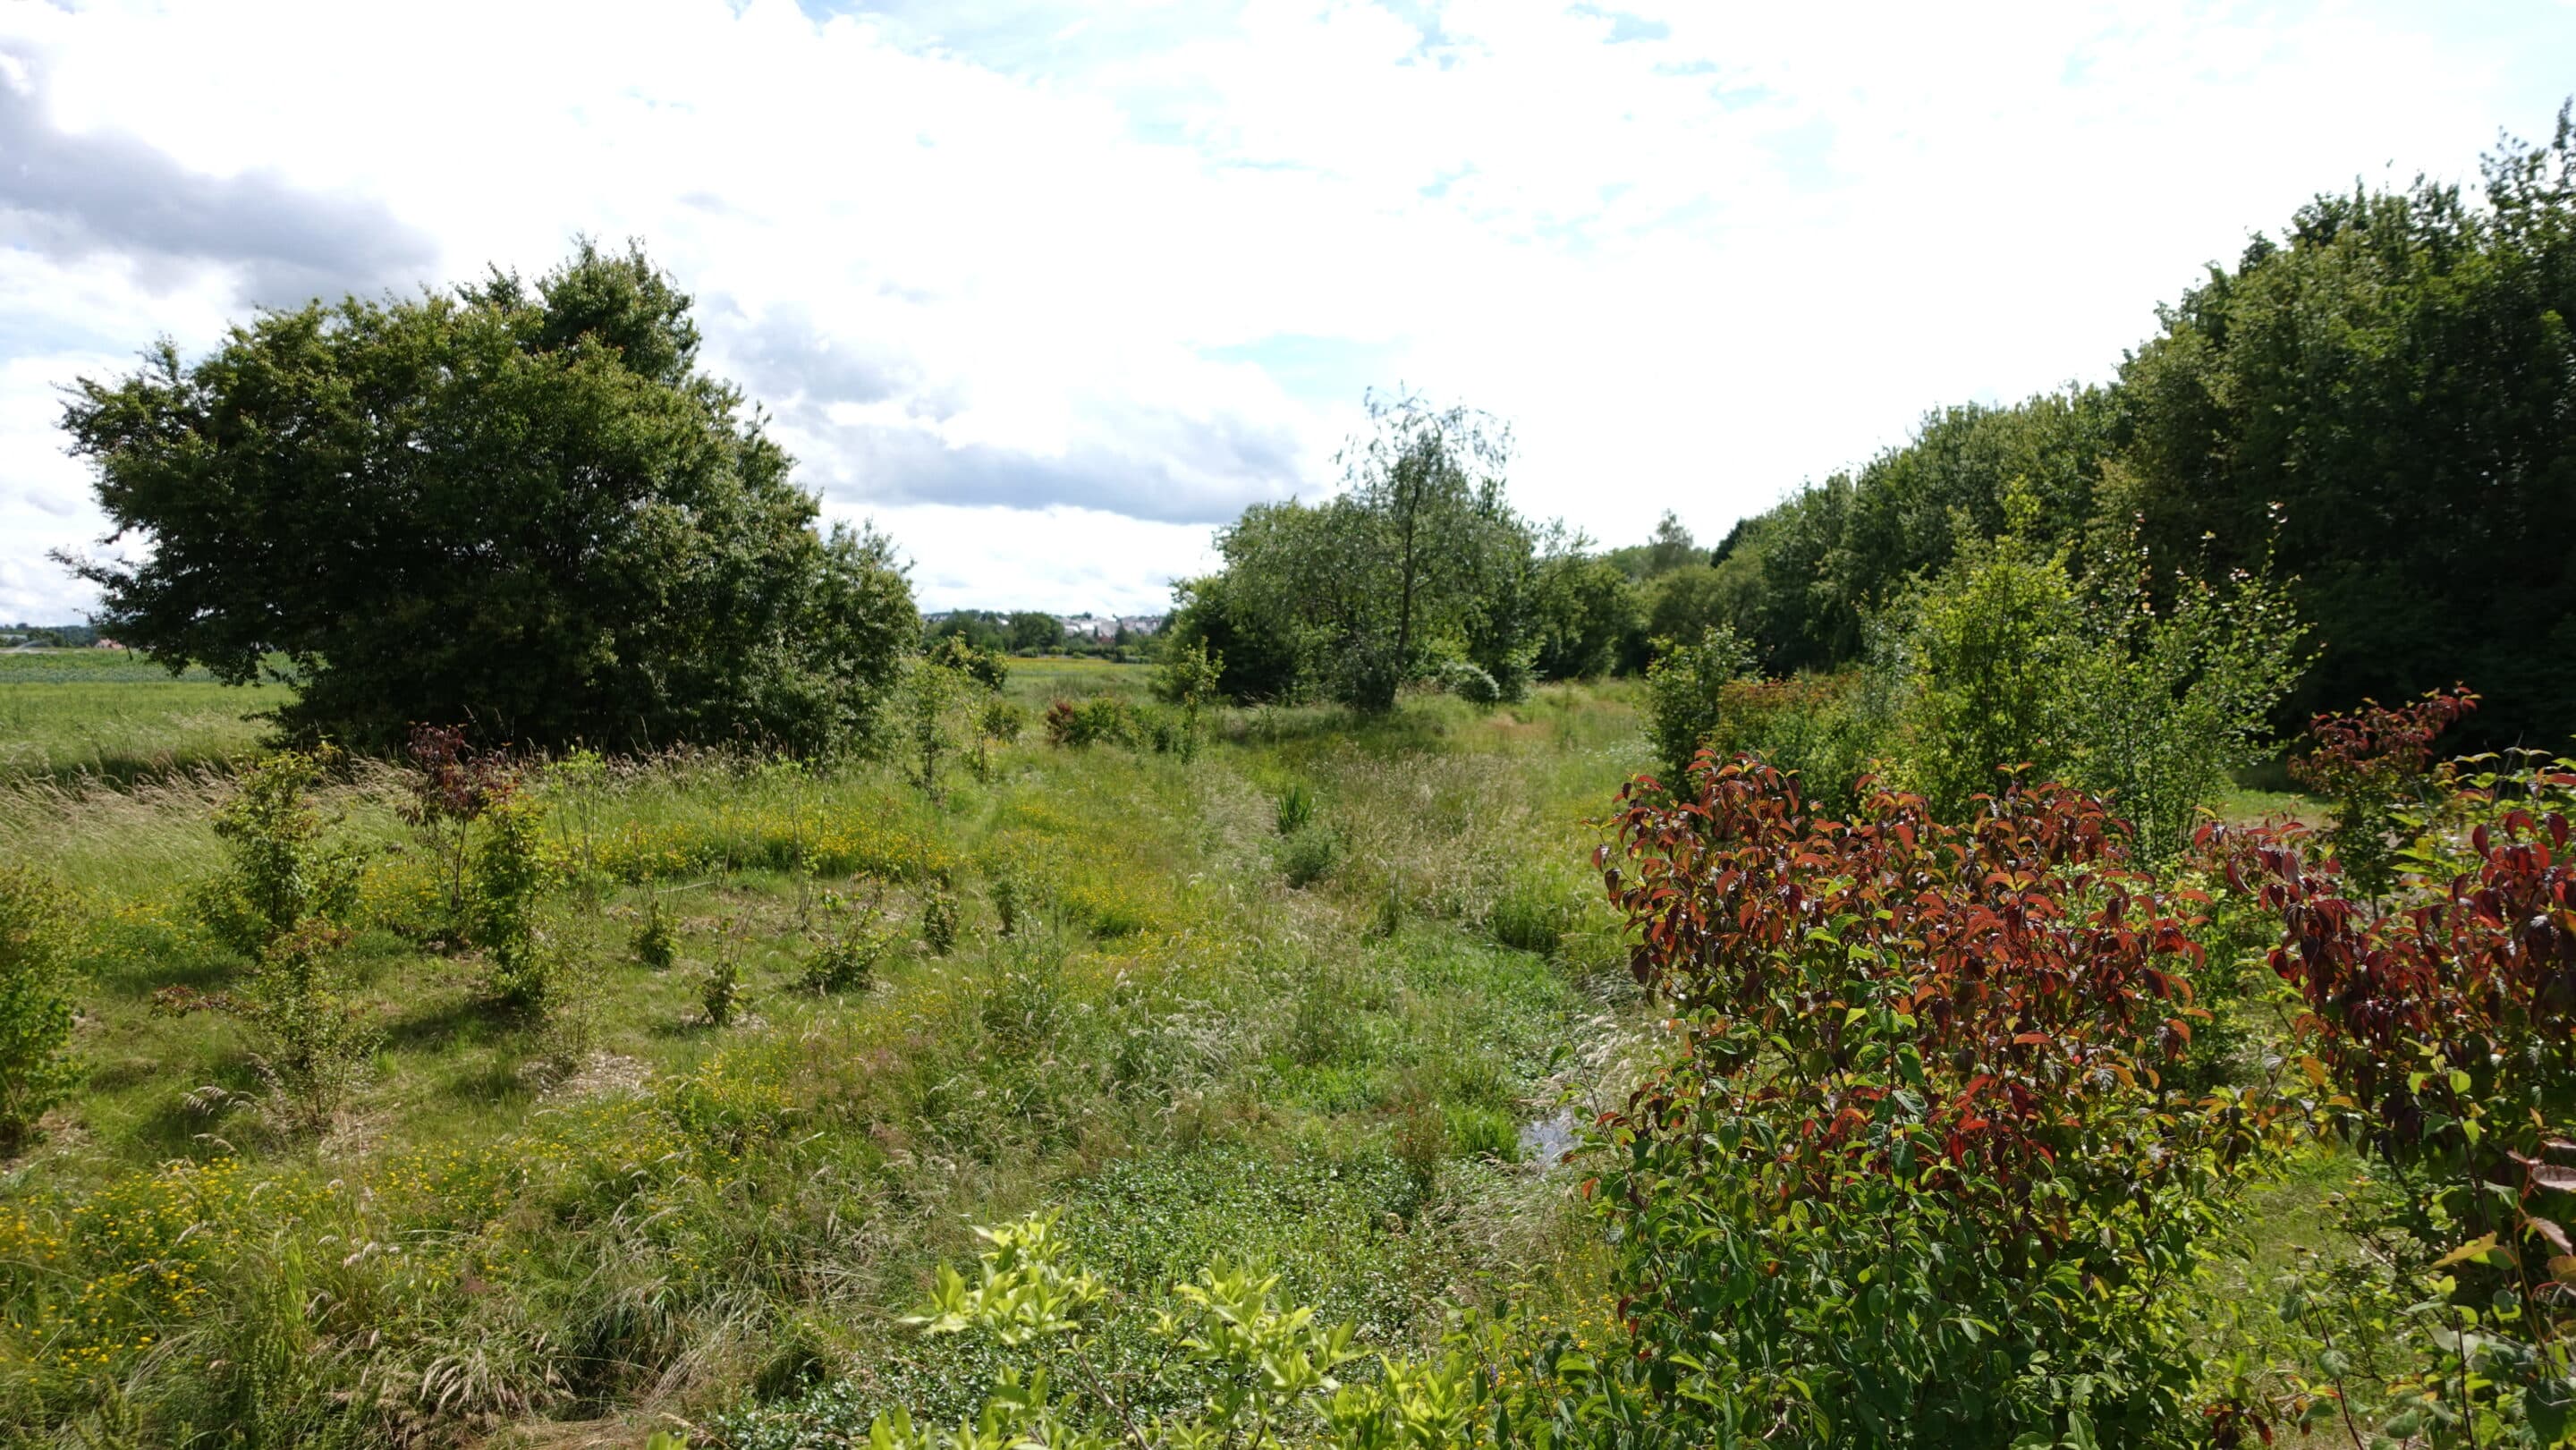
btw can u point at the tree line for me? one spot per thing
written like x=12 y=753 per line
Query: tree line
x=527 y=507
x=2377 y=407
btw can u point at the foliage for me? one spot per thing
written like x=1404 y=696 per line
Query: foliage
x=1256 y=653
x=451 y=786
x=521 y=506
x=986 y=668
x=2008 y=660
x=1912 y=1179
x=510 y=873
x=286 y=867
x=1309 y=853
x=934 y=693
x=2371 y=763
x=654 y=946
x=1189 y=678
x=1251 y=1371
x=2370 y=404
x=722 y=993
x=2442 y=1039
x=36 y=1018
x=943 y=914
x=1587 y=610
x=1469 y=682
x=318 y=1041
x=1100 y=720
x=855 y=940
x=1683 y=690
x=1418 y=550
x=998 y=721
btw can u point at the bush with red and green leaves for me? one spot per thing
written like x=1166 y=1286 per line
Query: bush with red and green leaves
x=1913 y=1176
x=2438 y=1032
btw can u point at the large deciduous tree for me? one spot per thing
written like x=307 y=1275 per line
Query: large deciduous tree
x=523 y=507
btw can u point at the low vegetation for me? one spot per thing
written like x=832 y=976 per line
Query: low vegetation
x=1889 y=1022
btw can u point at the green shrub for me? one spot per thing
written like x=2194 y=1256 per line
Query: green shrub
x=942 y=915
x=722 y=993
x=2376 y=764
x=1470 y=682
x=934 y=692
x=855 y=941
x=655 y=946
x=35 y=1004
x=285 y=868
x=1309 y=853
x=2007 y=660
x=1100 y=720
x=317 y=1043
x=1240 y=1368
x=511 y=871
x=1189 y=679
x=997 y=722
x=1683 y=690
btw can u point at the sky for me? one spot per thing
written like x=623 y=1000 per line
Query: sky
x=1050 y=292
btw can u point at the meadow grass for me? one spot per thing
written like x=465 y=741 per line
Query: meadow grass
x=628 y=1213
x=105 y=713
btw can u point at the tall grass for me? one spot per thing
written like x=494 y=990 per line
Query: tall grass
x=1173 y=1042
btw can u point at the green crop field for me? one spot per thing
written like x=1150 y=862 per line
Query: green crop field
x=65 y=713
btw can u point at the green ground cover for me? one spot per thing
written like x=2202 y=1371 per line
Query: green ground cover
x=107 y=713
x=626 y=1213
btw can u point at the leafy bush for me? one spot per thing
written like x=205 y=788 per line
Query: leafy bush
x=933 y=692
x=1684 y=689
x=1100 y=720
x=1821 y=730
x=655 y=947
x=35 y=1005
x=722 y=993
x=285 y=869
x=511 y=871
x=997 y=722
x=2008 y=660
x=1189 y=679
x=1469 y=682
x=1245 y=1369
x=1912 y=1180
x=942 y=915
x=2442 y=1037
x=855 y=940
x=1309 y=853
x=2372 y=763
x=452 y=785
x=317 y=1042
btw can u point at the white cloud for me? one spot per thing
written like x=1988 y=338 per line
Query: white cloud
x=1047 y=288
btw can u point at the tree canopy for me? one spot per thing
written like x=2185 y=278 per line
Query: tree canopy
x=519 y=506
x=2380 y=404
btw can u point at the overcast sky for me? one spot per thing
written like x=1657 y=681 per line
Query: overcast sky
x=1051 y=290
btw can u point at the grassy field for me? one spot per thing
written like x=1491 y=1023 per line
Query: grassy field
x=106 y=713
x=1201 y=1037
